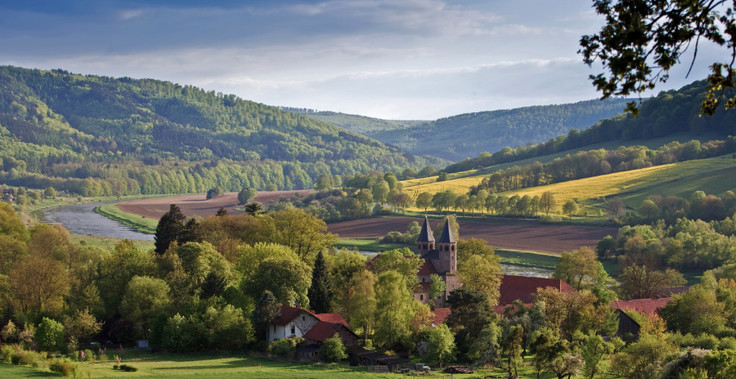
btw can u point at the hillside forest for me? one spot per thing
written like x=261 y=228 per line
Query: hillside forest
x=100 y=136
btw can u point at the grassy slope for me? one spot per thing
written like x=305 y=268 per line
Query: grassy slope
x=139 y=223
x=713 y=175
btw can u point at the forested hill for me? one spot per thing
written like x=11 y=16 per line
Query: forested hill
x=467 y=135
x=99 y=135
x=670 y=112
x=367 y=126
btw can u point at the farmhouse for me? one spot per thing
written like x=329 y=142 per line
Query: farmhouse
x=314 y=328
x=440 y=259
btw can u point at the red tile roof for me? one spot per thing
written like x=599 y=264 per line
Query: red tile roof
x=334 y=318
x=440 y=315
x=646 y=306
x=523 y=288
x=322 y=331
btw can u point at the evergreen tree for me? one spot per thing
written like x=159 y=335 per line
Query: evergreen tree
x=266 y=312
x=169 y=229
x=320 y=293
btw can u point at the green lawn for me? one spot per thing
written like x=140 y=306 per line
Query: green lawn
x=139 y=223
x=365 y=244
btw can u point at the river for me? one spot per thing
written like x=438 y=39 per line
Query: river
x=82 y=219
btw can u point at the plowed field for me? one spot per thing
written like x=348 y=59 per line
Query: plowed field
x=513 y=235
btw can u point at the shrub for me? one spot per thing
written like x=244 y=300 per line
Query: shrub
x=284 y=347
x=333 y=349
x=727 y=343
x=50 y=335
x=26 y=358
x=64 y=367
x=7 y=351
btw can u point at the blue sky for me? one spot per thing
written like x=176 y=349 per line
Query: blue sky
x=407 y=59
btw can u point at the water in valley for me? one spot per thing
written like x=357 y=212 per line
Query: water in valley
x=82 y=219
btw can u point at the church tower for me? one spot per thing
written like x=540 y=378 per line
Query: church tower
x=425 y=242
x=447 y=247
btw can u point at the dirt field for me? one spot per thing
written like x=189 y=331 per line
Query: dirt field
x=524 y=236
x=198 y=205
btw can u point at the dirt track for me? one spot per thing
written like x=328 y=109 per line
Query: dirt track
x=514 y=235
x=198 y=205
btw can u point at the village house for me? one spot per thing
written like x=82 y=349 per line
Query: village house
x=315 y=328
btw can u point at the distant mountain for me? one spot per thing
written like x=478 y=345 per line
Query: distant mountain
x=104 y=136
x=367 y=126
x=467 y=135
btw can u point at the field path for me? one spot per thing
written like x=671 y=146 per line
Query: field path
x=512 y=234
x=198 y=205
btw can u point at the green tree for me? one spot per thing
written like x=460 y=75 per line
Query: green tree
x=402 y=261
x=39 y=286
x=437 y=286
x=547 y=201
x=641 y=282
x=81 y=326
x=301 y=231
x=360 y=305
x=287 y=279
x=482 y=274
x=169 y=229
x=578 y=267
x=424 y=200
x=332 y=349
x=324 y=182
x=594 y=350
x=570 y=207
x=642 y=40
x=642 y=359
x=394 y=311
x=144 y=299
x=470 y=313
x=50 y=335
x=49 y=193
x=214 y=192
x=117 y=269
x=246 y=195
x=511 y=347
x=485 y=348
x=436 y=345
x=267 y=311
x=320 y=292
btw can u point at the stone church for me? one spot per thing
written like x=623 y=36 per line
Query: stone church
x=440 y=257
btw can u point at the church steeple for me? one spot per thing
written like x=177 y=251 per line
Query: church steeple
x=447 y=246
x=425 y=241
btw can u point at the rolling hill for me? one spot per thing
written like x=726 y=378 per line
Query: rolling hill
x=96 y=135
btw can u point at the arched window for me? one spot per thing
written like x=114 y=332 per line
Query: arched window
x=421 y=297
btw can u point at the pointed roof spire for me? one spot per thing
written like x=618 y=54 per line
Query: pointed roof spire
x=426 y=234
x=447 y=236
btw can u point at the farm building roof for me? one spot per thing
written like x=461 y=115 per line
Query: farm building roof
x=322 y=331
x=523 y=288
x=335 y=318
x=287 y=313
x=646 y=306
x=440 y=315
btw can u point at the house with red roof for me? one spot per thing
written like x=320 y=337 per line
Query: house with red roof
x=628 y=328
x=315 y=328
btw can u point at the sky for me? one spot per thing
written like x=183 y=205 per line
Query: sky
x=392 y=59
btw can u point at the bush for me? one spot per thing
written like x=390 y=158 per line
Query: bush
x=27 y=358
x=50 y=335
x=727 y=343
x=333 y=349
x=285 y=347
x=7 y=351
x=64 y=367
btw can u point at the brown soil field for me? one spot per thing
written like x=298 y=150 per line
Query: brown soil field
x=198 y=205
x=511 y=235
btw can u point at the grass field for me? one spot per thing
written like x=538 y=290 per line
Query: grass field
x=365 y=244
x=713 y=175
x=208 y=366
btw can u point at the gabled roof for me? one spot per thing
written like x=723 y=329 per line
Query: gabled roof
x=524 y=287
x=334 y=318
x=646 y=306
x=426 y=234
x=322 y=331
x=447 y=236
x=287 y=314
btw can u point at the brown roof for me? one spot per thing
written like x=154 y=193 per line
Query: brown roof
x=322 y=331
x=288 y=313
x=440 y=315
x=646 y=306
x=334 y=318
x=524 y=287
